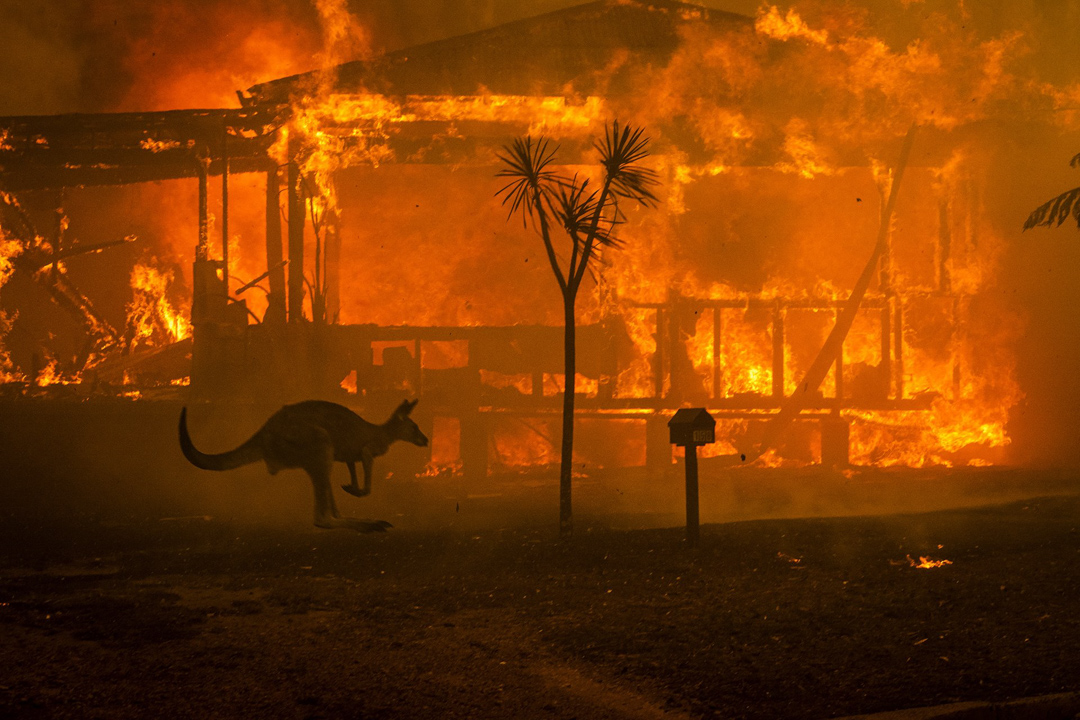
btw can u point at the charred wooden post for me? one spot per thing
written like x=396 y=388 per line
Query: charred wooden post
x=296 y=238
x=204 y=272
x=839 y=372
x=778 y=353
x=659 y=356
x=332 y=260
x=898 y=349
x=61 y=224
x=209 y=302
x=275 y=261
x=609 y=360
x=474 y=436
x=225 y=206
x=885 y=278
x=944 y=247
x=717 y=348
x=886 y=351
x=202 y=250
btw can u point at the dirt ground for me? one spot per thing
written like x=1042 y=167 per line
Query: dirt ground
x=792 y=618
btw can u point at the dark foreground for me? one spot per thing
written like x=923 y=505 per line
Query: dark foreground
x=768 y=619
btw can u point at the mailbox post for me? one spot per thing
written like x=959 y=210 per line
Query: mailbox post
x=689 y=428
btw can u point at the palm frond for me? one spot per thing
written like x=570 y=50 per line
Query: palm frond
x=526 y=164
x=620 y=152
x=1057 y=210
x=575 y=204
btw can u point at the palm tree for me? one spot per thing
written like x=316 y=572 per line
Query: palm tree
x=1056 y=211
x=586 y=215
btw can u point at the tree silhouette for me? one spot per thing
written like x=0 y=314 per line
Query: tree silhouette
x=1057 y=210
x=587 y=216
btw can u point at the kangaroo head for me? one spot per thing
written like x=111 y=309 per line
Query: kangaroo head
x=402 y=427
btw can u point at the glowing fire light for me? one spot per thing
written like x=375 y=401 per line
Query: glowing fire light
x=152 y=318
x=926 y=562
x=52 y=375
x=870 y=88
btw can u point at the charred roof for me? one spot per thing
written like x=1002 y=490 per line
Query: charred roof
x=586 y=49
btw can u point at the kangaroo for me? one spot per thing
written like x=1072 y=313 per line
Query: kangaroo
x=311 y=435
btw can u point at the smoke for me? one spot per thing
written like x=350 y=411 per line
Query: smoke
x=90 y=56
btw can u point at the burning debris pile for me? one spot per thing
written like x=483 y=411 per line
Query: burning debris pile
x=30 y=262
x=775 y=139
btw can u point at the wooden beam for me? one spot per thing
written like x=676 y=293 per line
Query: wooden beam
x=275 y=260
x=296 y=239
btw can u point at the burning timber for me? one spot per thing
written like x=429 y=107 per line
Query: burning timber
x=722 y=309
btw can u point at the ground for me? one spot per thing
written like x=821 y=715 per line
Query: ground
x=800 y=618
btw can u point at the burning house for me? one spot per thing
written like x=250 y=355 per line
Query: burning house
x=338 y=235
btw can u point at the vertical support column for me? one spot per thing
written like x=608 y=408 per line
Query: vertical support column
x=717 y=351
x=202 y=250
x=944 y=247
x=296 y=238
x=225 y=207
x=333 y=269
x=274 y=258
x=885 y=277
x=886 y=348
x=61 y=223
x=778 y=352
x=659 y=355
x=203 y=281
x=611 y=326
x=839 y=370
x=898 y=349
x=474 y=424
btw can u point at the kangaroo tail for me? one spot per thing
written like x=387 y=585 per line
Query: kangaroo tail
x=246 y=454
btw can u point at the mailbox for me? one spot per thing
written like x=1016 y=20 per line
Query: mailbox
x=692 y=426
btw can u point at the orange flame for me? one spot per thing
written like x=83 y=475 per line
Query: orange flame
x=152 y=318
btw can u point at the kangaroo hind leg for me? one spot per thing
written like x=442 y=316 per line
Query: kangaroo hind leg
x=326 y=513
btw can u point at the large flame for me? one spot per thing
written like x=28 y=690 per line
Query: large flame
x=152 y=318
x=774 y=143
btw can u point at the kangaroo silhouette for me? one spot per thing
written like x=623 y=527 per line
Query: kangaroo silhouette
x=311 y=436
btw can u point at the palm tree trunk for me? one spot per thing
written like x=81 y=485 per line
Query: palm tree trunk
x=566 y=523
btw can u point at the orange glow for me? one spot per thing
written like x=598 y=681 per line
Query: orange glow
x=52 y=375
x=520 y=382
x=927 y=563
x=349 y=383
x=771 y=24
x=152 y=318
x=773 y=185
x=445 y=448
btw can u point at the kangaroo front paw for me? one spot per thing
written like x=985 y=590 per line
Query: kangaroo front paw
x=353 y=490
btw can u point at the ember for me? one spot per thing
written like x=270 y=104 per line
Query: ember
x=928 y=562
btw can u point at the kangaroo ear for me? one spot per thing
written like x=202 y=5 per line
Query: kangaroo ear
x=405 y=408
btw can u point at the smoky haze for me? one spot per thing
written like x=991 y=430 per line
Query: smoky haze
x=88 y=56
